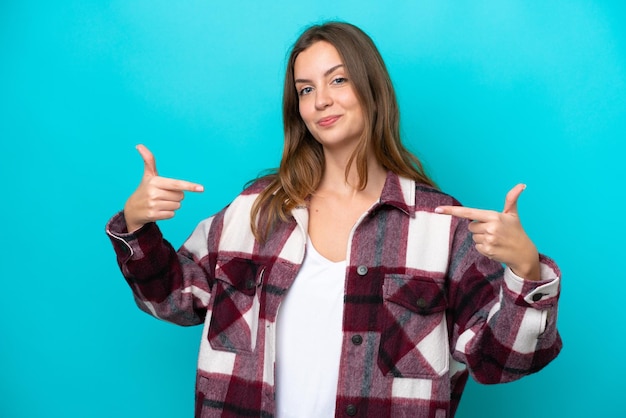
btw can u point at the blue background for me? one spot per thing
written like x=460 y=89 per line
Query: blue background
x=492 y=93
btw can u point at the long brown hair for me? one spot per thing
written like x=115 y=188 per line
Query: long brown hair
x=302 y=163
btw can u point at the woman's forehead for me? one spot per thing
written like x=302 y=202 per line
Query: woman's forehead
x=317 y=59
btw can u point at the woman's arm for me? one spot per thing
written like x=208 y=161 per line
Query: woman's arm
x=169 y=285
x=503 y=326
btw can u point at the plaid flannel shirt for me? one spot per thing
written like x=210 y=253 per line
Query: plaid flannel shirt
x=422 y=308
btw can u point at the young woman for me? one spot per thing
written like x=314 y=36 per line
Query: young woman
x=346 y=283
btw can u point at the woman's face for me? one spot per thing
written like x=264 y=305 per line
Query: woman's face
x=327 y=101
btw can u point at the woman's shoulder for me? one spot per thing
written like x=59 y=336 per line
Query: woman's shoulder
x=244 y=202
x=428 y=197
x=257 y=185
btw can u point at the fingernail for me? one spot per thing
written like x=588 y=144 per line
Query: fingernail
x=199 y=188
x=438 y=210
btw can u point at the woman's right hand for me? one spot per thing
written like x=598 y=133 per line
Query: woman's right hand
x=156 y=198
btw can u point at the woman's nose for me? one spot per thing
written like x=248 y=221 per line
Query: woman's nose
x=323 y=98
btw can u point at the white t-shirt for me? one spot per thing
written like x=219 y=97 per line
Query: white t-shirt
x=309 y=338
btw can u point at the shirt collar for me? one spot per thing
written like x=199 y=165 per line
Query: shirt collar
x=399 y=192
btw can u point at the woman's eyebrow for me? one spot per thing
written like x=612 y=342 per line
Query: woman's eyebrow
x=326 y=74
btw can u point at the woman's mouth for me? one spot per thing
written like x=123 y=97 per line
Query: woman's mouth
x=328 y=121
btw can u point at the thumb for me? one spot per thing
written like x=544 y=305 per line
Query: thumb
x=149 y=164
x=510 y=202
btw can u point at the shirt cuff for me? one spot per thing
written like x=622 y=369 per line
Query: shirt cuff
x=541 y=294
x=128 y=245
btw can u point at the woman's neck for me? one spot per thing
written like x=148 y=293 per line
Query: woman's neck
x=334 y=180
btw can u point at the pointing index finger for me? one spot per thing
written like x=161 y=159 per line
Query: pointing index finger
x=181 y=185
x=465 y=213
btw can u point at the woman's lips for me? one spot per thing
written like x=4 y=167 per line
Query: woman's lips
x=328 y=120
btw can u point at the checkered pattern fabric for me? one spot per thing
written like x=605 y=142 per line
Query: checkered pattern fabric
x=423 y=309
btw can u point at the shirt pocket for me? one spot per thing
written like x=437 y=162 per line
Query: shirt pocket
x=414 y=338
x=235 y=305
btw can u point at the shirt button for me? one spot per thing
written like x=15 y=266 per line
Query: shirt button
x=361 y=270
x=421 y=303
x=537 y=297
x=357 y=339
x=351 y=410
x=249 y=284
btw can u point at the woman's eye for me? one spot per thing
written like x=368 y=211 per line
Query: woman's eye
x=339 y=80
x=305 y=91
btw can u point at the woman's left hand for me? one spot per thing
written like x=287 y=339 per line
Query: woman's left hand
x=500 y=235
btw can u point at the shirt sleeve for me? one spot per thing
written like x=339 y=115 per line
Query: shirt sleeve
x=171 y=285
x=504 y=327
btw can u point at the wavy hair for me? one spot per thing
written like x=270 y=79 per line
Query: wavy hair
x=302 y=163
